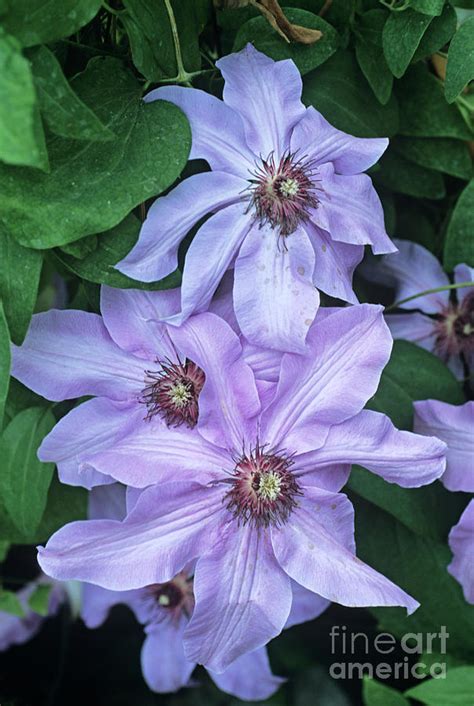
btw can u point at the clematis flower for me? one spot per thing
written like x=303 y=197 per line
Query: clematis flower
x=165 y=609
x=454 y=424
x=15 y=629
x=442 y=324
x=138 y=371
x=272 y=511
x=290 y=210
x=461 y=541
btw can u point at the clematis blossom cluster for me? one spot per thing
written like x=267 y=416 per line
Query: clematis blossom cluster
x=226 y=415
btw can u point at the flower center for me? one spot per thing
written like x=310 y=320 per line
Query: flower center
x=175 y=597
x=455 y=329
x=283 y=194
x=263 y=489
x=173 y=392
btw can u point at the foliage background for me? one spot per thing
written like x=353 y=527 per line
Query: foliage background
x=80 y=158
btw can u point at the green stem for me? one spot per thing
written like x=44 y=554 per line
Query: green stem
x=446 y=288
x=183 y=76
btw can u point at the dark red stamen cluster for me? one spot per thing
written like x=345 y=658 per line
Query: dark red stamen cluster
x=173 y=392
x=455 y=329
x=283 y=194
x=175 y=597
x=263 y=488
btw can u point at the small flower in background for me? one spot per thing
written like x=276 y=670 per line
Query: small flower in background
x=444 y=323
x=15 y=629
x=255 y=499
x=290 y=208
x=461 y=541
x=135 y=364
x=453 y=424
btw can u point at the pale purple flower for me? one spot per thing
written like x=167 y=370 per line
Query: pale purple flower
x=290 y=210
x=16 y=630
x=136 y=366
x=255 y=497
x=443 y=323
x=453 y=424
x=461 y=541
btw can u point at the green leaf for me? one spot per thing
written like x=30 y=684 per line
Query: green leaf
x=65 y=114
x=439 y=32
x=24 y=481
x=459 y=243
x=429 y=7
x=99 y=265
x=39 y=599
x=405 y=177
x=460 y=68
x=65 y=504
x=151 y=38
x=374 y=693
x=317 y=681
x=424 y=111
x=402 y=34
x=430 y=511
x=456 y=689
x=375 y=69
x=338 y=90
x=441 y=154
x=93 y=186
x=4 y=548
x=414 y=223
x=42 y=21
x=417 y=564
x=21 y=132
x=9 y=603
x=413 y=374
x=263 y=36
x=5 y=361
x=20 y=270
x=370 y=26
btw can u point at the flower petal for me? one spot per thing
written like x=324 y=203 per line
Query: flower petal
x=416 y=327
x=169 y=219
x=68 y=354
x=267 y=94
x=97 y=603
x=411 y=270
x=320 y=142
x=316 y=548
x=350 y=210
x=156 y=453
x=306 y=605
x=210 y=255
x=107 y=503
x=347 y=352
x=151 y=545
x=335 y=264
x=274 y=297
x=217 y=130
x=229 y=399
x=463 y=273
x=461 y=540
x=332 y=477
x=243 y=599
x=164 y=666
x=92 y=426
x=249 y=677
x=454 y=425
x=371 y=440
x=133 y=319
